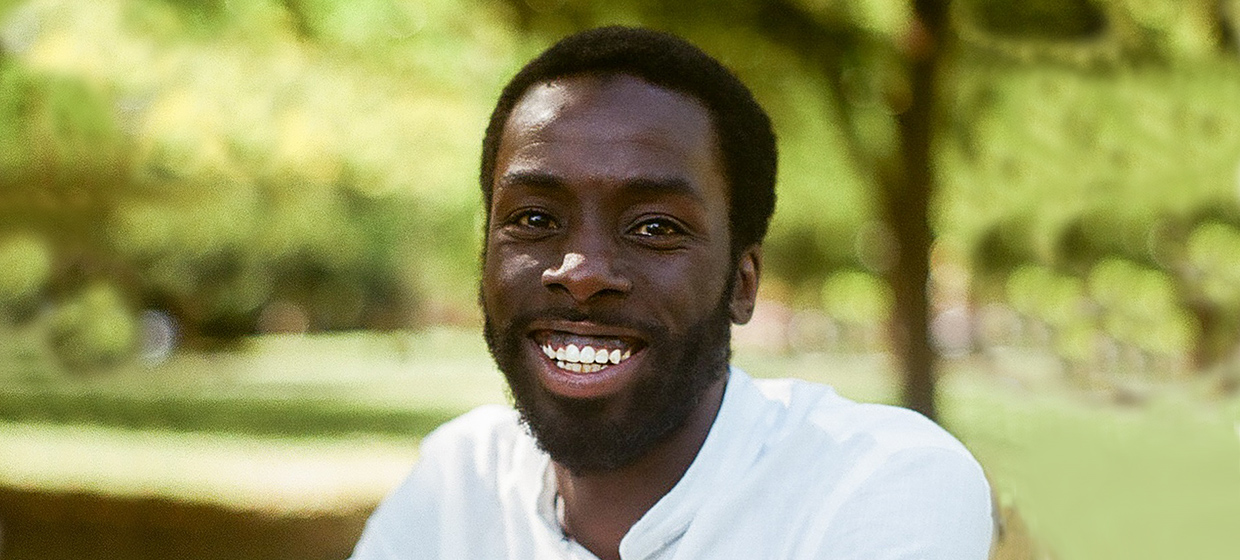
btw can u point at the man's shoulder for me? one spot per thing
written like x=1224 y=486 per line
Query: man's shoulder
x=860 y=475
x=464 y=468
x=812 y=411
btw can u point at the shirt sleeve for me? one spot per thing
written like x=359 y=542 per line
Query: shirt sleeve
x=451 y=492
x=404 y=525
x=920 y=504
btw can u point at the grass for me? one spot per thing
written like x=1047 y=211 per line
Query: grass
x=1100 y=480
x=394 y=384
x=298 y=477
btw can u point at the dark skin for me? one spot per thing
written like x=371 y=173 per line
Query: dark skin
x=609 y=196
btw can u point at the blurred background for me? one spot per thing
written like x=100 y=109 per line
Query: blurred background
x=239 y=245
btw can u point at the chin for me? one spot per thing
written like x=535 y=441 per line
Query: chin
x=607 y=418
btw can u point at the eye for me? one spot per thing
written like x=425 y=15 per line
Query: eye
x=657 y=227
x=534 y=219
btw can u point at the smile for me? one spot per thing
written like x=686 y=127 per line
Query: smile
x=590 y=362
x=584 y=353
x=586 y=358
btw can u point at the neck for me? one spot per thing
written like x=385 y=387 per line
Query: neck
x=601 y=507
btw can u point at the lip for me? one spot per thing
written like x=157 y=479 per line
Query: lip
x=582 y=385
x=587 y=328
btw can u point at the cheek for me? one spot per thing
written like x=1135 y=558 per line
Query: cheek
x=507 y=276
x=688 y=290
x=515 y=269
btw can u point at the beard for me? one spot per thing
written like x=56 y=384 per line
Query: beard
x=589 y=435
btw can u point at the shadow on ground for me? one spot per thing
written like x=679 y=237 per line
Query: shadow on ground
x=42 y=526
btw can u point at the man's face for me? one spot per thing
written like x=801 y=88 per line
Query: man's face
x=607 y=275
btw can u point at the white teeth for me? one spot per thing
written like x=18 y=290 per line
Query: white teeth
x=585 y=359
x=578 y=367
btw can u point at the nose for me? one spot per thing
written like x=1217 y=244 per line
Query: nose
x=586 y=276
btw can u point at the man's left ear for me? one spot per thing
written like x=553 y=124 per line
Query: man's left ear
x=745 y=285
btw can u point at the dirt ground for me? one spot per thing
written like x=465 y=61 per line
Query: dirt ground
x=39 y=526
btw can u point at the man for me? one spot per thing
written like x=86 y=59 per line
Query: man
x=628 y=180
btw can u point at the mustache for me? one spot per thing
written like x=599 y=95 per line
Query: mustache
x=521 y=323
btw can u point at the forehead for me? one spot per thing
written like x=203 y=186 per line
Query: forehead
x=609 y=127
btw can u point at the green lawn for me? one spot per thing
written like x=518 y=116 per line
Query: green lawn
x=1093 y=479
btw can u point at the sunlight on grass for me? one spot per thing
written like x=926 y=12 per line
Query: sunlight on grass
x=1096 y=481
x=286 y=477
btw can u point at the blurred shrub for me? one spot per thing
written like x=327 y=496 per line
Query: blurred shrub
x=856 y=298
x=1002 y=248
x=25 y=269
x=1142 y=307
x=1214 y=255
x=93 y=328
x=1042 y=19
x=1041 y=293
x=1097 y=234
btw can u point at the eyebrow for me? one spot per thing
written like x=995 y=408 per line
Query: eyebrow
x=646 y=185
x=536 y=179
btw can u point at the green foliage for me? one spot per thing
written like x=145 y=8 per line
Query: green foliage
x=63 y=155
x=1039 y=292
x=1040 y=19
x=1003 y=247
x=1142 y=307
x=217 y=159
x=25 y=268
x=1214 y=254
x=856 y=297
x=1103 y=177
x=93 y=329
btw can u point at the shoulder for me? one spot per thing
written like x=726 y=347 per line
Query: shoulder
x=882 y=474
x=813 y=411
x=456 y=483
x=473 y=455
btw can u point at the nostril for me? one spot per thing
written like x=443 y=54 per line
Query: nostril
x=584 y=277
x=571 y=261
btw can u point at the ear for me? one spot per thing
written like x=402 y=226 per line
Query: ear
x=745 y=285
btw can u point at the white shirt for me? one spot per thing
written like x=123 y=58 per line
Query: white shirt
x=789 y=470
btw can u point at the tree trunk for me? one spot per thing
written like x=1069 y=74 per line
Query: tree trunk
x=907 y=188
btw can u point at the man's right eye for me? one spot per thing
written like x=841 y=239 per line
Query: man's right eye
x=533 y=219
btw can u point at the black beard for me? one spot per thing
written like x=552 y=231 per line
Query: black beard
x=576 y=433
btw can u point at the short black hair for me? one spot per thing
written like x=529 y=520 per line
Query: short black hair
x=743 y=129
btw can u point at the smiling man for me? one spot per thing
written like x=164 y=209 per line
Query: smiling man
x=629 y=179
